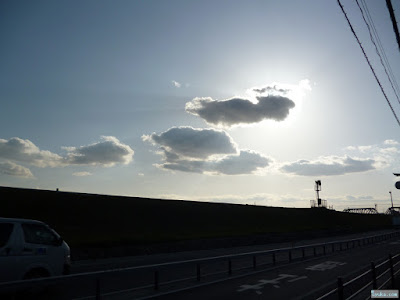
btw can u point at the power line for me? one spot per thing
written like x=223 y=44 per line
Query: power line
x=376 y=47
x=380 y=46
x=394 y=23
x=369 y=63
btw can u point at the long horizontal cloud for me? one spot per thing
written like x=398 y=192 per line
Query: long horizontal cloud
x=246 y=162
x=329 y=166
x=209 y=151
x=12 y=169
x=107 y=153
x=192 y=142
x=239 y=110
x=25 y=151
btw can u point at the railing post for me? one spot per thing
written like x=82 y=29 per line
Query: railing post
x=340 y=288
x=392 y=270
x=98 y=289
x=198 y=272
x=254 y=262
x=373 y=272
x=229 y=267
x=156 y=280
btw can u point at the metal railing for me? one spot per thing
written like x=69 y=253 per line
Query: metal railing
x=375 y=277
x=150 y=280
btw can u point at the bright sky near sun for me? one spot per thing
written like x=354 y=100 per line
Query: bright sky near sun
x=226 y=101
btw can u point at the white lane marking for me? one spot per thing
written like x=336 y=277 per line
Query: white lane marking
x=246 y=287
x=298 y=278
x=274 y=282
x=325 y=266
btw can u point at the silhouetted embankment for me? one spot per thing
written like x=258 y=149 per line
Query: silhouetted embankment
x=102 y=226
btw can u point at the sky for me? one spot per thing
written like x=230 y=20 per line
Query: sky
x=243 y=102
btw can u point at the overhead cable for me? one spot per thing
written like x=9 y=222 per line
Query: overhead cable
x=381 y=47
x=389 y=76
x=394 y=23
x=369 y=63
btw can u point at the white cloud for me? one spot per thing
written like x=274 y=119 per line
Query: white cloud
x=81 y=174
x=20 y=150
x=176 y=84
x=329 y=166
x=106 y=153
x=364 y=148
x=12 y=169
x=391 y=142
x=384 y=154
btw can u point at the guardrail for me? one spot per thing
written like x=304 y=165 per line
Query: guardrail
x=375 y=277
x=150 y=280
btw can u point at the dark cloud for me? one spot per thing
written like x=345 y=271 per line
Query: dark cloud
x=12 y=169
x=21 y=150
x=329 y=166
x=193 y=150
x=192 y=142
x=240 y=111
x=184 y=165
x=246 y=162
x=271 y=89
x=106 y=153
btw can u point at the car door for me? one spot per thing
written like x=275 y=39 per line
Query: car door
x=8 y=252
x=42 y=247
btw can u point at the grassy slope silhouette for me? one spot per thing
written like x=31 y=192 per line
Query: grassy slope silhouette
x=90 y=220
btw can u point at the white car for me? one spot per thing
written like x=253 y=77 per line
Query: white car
x=31 y=249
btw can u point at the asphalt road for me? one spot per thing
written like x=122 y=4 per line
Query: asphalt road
x=302 y=280
x=132 y=261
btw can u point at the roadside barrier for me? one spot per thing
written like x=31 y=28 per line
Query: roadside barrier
x=150 y=280
x=375 y=277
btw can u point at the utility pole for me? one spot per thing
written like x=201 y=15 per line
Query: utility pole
x=317 y=189
x=391 y=199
